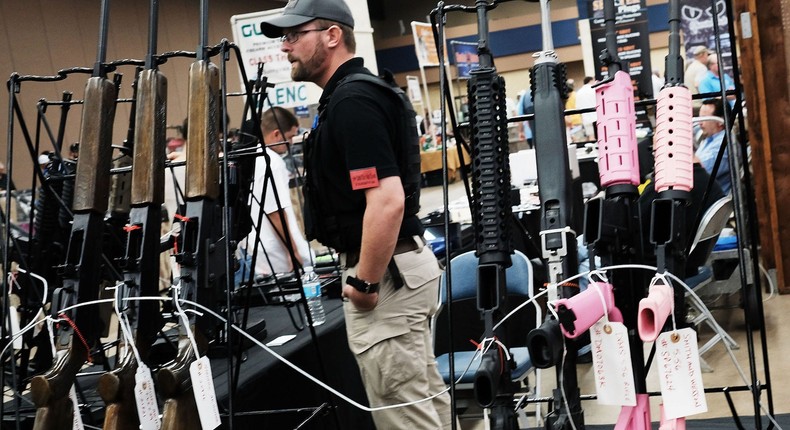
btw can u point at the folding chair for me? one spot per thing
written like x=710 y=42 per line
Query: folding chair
x=468 y=325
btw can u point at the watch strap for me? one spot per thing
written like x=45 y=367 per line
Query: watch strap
x=362 y=286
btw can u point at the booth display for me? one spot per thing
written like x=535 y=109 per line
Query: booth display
x=83 y=251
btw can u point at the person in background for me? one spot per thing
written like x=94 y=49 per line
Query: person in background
x=585 y=98
x=74 y=151
x=696 y=68
x=362 y=198
x=712 y=139
x=573 y=123
x=43 y=160
x=711 y=83
x=4 y=179
x=525 y=107
x=279 y=230
x=657 y=81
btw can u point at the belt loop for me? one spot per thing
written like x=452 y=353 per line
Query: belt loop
x=419 y=241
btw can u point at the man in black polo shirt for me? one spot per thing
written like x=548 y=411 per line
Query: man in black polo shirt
x=361 y=199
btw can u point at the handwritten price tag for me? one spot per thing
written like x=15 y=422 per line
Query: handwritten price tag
x=611 y=354
x=679 y=373
x=145 y=397
x=76 y=420
x=13 y=315
x=205 y=398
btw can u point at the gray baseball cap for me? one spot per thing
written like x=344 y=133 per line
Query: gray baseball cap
x=298 y=12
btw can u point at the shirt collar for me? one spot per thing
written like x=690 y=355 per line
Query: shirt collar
x=353 y=65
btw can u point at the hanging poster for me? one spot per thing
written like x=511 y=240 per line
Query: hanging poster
x=424 y=44
x=696 y=20
x=465 y=57
x=633 y=40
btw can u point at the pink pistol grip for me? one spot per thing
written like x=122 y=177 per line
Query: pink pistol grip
x=618 y=162
x=673 y=145
x=588 y=308
x=654 y=311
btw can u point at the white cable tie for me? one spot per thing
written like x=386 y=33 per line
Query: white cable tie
x=663 y=278
x=126 y=328
x=597 y=287
x=185 y=319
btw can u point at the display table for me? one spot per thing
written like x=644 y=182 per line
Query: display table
x=432 y=160
x=266 y=384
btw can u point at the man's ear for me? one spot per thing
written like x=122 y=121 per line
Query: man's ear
x=335 y=35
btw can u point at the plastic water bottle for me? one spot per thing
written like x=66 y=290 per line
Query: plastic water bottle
x=312 y=291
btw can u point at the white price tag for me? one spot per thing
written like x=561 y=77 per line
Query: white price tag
x=145 y=397
x=76 y=420
x=14 y=317
x=205 y=398
x=611 y=354
x=679 y=373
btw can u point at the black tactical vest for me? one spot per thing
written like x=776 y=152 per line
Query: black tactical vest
x=323 y=222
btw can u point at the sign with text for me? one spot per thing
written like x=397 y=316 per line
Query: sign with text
x=413 y=85
x=465 y=56
x=633 y=40
x=256 y=48
x=696 y=21
x=424 y=44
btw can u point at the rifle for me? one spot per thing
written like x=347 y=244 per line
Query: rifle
x=48 y=243
x=674 y=151
x=558 y=240
x=202 y=248
x=140 y=263
x=81 y=272
x=612 y=226
x=493 y=386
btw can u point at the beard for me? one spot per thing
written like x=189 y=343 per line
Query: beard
x=304 y=70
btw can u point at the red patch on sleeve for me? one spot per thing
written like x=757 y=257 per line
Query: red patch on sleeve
x=364 y=178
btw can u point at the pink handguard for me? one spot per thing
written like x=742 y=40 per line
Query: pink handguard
x=635 y=417
x=673 y=145
x=654 y=311
x=588 y=308
x=618 y=162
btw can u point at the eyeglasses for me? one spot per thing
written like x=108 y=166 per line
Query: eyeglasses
x=294 y=36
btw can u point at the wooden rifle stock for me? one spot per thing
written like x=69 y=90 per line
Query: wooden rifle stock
x=141 y=262
x=81 y=273
x=202 y=248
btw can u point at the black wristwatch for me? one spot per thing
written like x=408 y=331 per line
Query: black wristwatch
x=362 y=286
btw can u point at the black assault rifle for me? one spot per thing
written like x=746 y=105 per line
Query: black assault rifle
x=557 y=238
x=201 y=251
x=81 y=272
x=140 y=263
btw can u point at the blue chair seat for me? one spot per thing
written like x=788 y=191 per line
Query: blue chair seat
x=703 y=274
x=463 y=358
x=726 y=243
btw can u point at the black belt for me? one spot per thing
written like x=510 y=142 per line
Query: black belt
x=404 y=245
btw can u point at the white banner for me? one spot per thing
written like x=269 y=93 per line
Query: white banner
x=256 y=48
x=413 y=84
